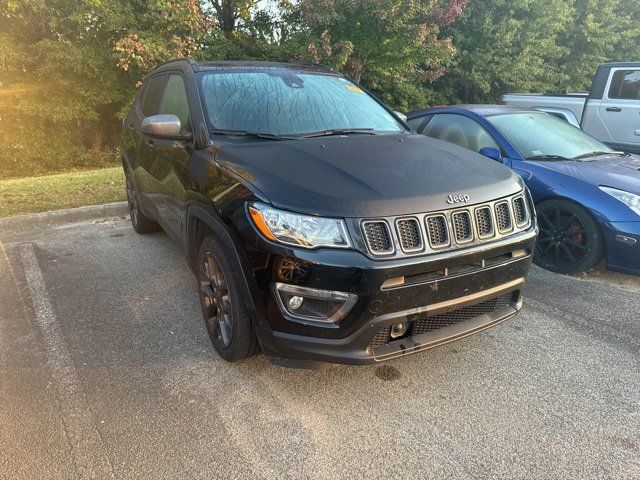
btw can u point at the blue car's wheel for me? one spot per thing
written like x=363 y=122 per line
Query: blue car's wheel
x=570 y=240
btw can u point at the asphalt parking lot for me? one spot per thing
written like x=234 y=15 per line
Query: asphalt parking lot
x=106 y=371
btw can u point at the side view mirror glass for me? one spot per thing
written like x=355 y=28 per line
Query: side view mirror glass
x=163 y=127
x=492 y=153
x=401 y=116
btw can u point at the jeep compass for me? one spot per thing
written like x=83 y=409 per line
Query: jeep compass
x=318 y=226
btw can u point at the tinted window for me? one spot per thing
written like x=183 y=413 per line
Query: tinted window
x=540 y=134
x=625 y=85
x=152 y=94
x=285 y=102
x=460 y=130
x=174 y=101
x=417 y=121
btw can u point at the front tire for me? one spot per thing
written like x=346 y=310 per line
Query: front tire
x=570 y=240
x=221 y=297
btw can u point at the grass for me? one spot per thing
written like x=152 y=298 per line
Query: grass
x=64 y=190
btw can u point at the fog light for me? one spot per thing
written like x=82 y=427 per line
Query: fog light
x=295 y=302
x=311 y=304
x=398 y=329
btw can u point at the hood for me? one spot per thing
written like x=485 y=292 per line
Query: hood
x=612 y=171
x=366 y=175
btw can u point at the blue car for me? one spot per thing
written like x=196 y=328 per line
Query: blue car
x=587 y=195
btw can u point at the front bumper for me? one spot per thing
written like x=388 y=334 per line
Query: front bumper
x=462 y=291
x=623 y=246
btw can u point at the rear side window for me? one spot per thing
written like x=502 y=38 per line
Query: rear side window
x=625 y=85
x=174 y=101
x=152 y=95
x=460 y=130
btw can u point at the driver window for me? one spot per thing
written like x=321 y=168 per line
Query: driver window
x=459 y=130
x=174 y=101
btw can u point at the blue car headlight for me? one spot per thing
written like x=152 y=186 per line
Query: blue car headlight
x=631 y=200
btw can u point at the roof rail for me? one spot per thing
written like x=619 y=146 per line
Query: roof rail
x=189 y=60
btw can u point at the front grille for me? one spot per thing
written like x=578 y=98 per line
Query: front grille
x=484 y=222
x=378 y=237
x=409 y=234
x=437 y=322
x=421 y=325
x=462 y=227
x=437 y=231
x=520 y=211
x=503 y=217
x=415 y=233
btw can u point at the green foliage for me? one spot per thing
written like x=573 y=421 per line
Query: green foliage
x=68 y=69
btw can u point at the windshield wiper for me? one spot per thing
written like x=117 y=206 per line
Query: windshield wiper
x=548 y=157
x=338 y=131
x=247 y=133
x=599 y=154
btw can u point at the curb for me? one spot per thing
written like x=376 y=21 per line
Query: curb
x=66 y=216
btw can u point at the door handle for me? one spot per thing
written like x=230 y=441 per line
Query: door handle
x=149 y=143
x=614 y=109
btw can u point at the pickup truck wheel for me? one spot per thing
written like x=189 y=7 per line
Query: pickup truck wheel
x=225 y=313
x=570 y=240
x=141 y=223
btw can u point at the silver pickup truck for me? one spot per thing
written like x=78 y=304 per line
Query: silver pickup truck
x=610 y=111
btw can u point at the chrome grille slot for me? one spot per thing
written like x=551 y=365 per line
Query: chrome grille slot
x=437 y=231
x=378 y=237
x=484 y=222
x=503 y=216
x=462 y=227
x=520 y=211
x=409 y=234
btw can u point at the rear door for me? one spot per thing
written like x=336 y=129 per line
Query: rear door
x=620 y=107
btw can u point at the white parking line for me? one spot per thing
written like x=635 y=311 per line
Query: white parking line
x=87 y=447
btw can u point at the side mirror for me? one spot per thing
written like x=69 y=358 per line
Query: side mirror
x=492 y=153
x=401 y=116
x=166 y=127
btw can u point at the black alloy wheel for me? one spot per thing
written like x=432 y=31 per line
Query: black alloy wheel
x=215 y=300
x=570 y=240
x=220 y=287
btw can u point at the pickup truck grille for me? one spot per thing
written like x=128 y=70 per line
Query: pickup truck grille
x=448 y=229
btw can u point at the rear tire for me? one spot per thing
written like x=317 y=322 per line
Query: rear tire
x=221 y=297
x=141 y=223
x=570 y=240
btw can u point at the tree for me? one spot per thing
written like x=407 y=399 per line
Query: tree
x=504 y=45
x=69 y=68
x=393 y=47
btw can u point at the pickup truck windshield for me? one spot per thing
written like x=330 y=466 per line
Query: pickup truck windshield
x=542 y=136
x=287 y=103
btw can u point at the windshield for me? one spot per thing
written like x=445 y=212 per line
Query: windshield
x=539 y=135
x=283 y=102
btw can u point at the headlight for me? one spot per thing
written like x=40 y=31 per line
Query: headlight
x=631 y=200
x=300 y=230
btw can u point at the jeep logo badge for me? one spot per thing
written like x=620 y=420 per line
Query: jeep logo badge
x=451 y=199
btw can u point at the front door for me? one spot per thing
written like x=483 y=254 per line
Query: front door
x=170 y=158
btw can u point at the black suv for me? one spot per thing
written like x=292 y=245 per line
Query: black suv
x=319 y=227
